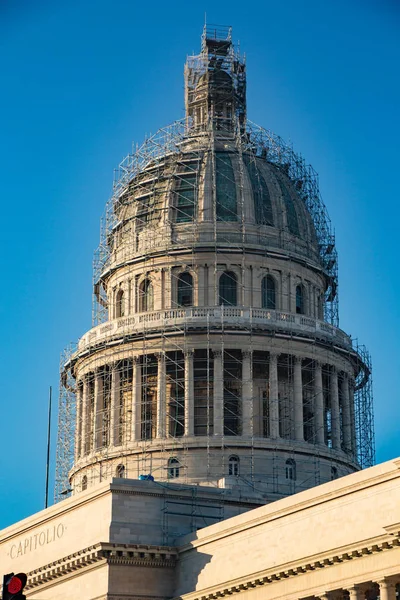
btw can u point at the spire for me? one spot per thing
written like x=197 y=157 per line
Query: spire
x=215 y=85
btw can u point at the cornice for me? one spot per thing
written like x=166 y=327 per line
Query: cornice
x=292 y=508
x=133 y=555
x=322 y=561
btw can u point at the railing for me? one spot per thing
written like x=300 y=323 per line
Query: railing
x=214 y=316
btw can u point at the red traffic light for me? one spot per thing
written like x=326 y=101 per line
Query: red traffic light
x=15 y=585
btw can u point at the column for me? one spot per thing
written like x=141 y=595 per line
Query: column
x=162 y=300
x=189 y=393
x=247 y=393
x=298 y=400
x=285 y=293
x=201 y=286
x=346 y=413
x=352 y=417
x=218 y=393
x=78 y=427
x=335 y=411
x=213 y=291
x=130 y=310
x=246 y=287
x=84 y=415
x=136 y=398
x=387 y=590
x=273 y=396
x=114 y=416
x=356 y=593
x=319 y=404
x=98 y=409
x=161 y=396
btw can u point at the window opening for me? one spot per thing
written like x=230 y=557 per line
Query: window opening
x=120 y=471
x=291 y=469
x=226 y=188
x=300 y=300
x=185 y=290
x=146 y=296
x=233 y=466
x=173 y=468
x=268 y=291
x=120 y=304
x=228 y=289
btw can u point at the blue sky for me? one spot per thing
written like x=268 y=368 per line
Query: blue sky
x=83 y=80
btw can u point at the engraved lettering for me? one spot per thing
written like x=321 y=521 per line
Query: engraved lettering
x=33 y=542
x=60 y=530
x=26 y=544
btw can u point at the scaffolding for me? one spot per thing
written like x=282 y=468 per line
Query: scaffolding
x=150 y=216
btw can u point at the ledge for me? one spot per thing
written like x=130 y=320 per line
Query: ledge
x=232 y=317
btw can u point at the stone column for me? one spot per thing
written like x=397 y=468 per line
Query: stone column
x=356 y=593
x=78 y=429
x=346 y=413
x=98 y=409
x=387 y=590
x=335 y=411
x=273 y=396
x=200 y=287
x=161 y=396
x=85 y=399
x=218 y=392
x=189 y=393
x=136 y=398
x=352 y=417
x=115 y=401
x=319 y=404
x=247 y=395
x=298 y=400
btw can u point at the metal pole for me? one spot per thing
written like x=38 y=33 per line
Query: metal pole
x=46 y=502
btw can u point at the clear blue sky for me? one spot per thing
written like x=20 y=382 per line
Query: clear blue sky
x=81 y=80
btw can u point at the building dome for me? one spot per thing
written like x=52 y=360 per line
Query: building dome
x=239 y=192
x=215 y=356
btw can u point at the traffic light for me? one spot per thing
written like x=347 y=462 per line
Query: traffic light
x=13 y=586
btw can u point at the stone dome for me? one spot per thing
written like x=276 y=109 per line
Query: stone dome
x=232 y=195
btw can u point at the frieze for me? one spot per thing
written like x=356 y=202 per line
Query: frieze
x=37 y=540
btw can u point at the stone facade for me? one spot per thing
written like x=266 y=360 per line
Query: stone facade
x=126 y=539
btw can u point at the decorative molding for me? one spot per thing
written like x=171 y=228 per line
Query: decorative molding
x=294 y=570
x=133 y=555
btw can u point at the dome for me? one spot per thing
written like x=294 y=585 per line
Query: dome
x=215 y=357
x=231 y=195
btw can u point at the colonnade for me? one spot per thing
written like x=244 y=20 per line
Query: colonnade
x=384 y=589
x=99 y=411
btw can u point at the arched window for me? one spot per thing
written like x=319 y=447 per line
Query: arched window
x=233 y=465
x=268 y=292
x=120 y=471
x=291 y=469
x=84 y=483
x=334 y=473
x=146 y=296
x=300 y=300
x=173 y=468
x=228 y=289
x=185 y=290
x=120 y=304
